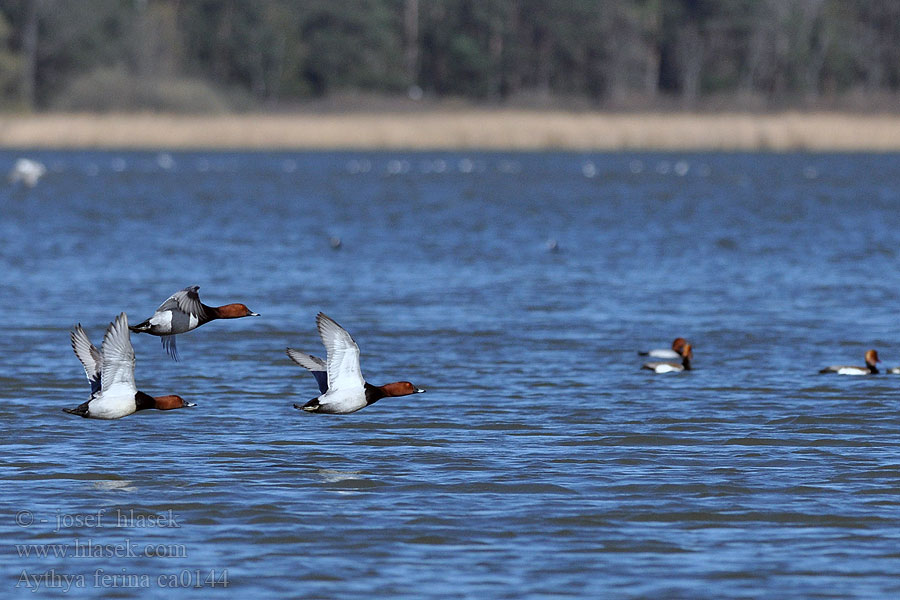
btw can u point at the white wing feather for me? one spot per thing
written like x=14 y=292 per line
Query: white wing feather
x=86 y=352
x=343 y=355
x=307 y=361
x=118 y=357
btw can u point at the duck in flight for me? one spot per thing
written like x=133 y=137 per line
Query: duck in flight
x=110 y=372
x=183 y=312
x=343 y=389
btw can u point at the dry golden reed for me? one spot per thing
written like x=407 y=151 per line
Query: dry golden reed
x=459 y=129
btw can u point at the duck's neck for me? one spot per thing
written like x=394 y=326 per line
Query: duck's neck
x=144 y=401
x=226 y=311
x=872 y=368
x=374 y=393
x=686 y=363
x=209 y=313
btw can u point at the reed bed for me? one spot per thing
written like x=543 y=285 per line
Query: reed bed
x=459 y=129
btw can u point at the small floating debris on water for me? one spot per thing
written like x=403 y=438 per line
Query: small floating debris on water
x=466 y=165
x=509 y=166
x=27 y=171
x=552 y=245
x=115 y=485
x=589 y=170
x=165 y=161
x=334 y=475
x=118 y=164
x=433 y=166
x=396 y=167
x=636 y=166
x=335 y=242
x=289 y=165
x=810 y=172
x=355 y=167
x=682 y=167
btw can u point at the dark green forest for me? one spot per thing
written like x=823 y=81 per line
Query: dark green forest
x=204 y=55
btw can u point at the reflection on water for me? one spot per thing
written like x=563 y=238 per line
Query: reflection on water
x=517 y=289
x=115 y=486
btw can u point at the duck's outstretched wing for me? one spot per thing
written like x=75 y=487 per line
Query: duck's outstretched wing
x=89 y=356
x=187 y=301
x=315 y=365
x=343 y=355
x=117 y=357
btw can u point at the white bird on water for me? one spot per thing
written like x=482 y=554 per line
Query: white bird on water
x=27 y=171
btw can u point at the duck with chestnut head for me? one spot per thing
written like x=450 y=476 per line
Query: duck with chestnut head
x=183 y=312
x=343 y=389
x=687 y=353
x=869 y=369
x=110 y=372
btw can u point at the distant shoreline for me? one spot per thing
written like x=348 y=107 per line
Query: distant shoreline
x=464 y=129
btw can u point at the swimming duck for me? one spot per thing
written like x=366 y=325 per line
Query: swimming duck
x=182 y=312
x=687 y=354
x=675 y=352
x=110 y=372
x=343 y=389
x=869 y=369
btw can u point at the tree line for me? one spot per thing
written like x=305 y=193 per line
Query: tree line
x=228 y=54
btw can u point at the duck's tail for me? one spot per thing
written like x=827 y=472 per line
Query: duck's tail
x=140 y=327
x=311 y=406
x=81 y=410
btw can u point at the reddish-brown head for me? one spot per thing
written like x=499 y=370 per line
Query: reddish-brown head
x=678 y=344
x=171 y=402
x=401 y=388
x=872 y=358
x=234 y=311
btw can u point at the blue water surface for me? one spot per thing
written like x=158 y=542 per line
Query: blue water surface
x=517 y=289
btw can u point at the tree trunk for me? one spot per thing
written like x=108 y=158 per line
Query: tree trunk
x=411 y=40
x=691 y=53
x=29 y=52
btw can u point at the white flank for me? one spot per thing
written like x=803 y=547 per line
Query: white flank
x=852 y=371
x=162 y=321
x=663 y=353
